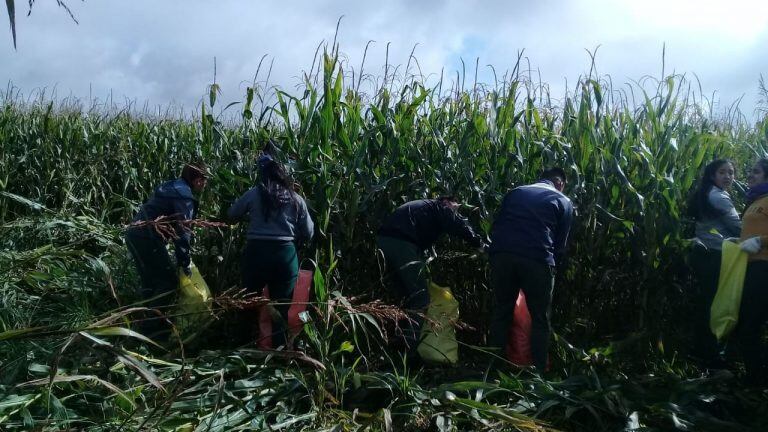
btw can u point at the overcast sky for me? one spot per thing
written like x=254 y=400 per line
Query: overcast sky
x=162 y=51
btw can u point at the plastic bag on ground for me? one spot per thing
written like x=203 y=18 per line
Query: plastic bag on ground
x=438 y=335
x=724 y=312
x=298 y=305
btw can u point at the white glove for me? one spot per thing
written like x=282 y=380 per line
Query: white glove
x=751 y=245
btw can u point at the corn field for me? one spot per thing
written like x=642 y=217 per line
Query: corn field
x=72 y=177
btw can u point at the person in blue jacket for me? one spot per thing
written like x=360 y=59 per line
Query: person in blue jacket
x=278 y=221
x=171 y=204
x=528 y=241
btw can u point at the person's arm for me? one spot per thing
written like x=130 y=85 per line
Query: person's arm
x=755 y=221
x=305 y=225
x=454 y=224
x=723 y=205
x=241 y=206
x=184 y=210
x=563 y=229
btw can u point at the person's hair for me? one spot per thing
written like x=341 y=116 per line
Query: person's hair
x=699 y=205
x=447 y=198
x=763 y=162
x=551 y=173
x=276 y=186
x=193 y=171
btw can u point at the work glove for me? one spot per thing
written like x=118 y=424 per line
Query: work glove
x=751 y=245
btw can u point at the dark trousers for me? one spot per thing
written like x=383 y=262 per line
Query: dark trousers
x=753 y=315
x=157 y=273
x=510 y=274
x=410 y=283
x=275 y=264
x=706 y=266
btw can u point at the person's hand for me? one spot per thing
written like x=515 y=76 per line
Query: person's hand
x=751 y=245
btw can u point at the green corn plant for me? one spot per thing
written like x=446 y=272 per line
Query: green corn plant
x=72 y=176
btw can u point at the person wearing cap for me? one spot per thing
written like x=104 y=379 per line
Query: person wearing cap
x=528 y=239
x=403 y=239
x=278 y=221
x=171 y=204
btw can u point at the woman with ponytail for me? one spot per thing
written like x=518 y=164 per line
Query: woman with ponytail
x=278 y=222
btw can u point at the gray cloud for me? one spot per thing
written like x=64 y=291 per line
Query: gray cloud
x=162 y=52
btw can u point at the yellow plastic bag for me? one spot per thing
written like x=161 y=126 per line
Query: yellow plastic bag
x=194 y=305
x=724 y=312
x=438 y=336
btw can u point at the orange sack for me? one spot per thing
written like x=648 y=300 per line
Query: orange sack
x=298 y=305
x=519 y=338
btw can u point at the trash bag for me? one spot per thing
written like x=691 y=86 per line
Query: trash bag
x=724 y=312
x=298 y=305
x=518 y=349
x=438 y=335
x=194 y=304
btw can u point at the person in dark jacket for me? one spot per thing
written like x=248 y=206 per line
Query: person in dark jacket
x=278 y=221
x=173 y=202
x=528 y=239
x=404 y=237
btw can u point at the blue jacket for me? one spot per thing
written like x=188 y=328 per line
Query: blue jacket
x=533 y=223
x=291 y=222
x=172 y=198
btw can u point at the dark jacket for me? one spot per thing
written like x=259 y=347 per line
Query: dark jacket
x=422 y=222
x=533 y=223
x=173 y=198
